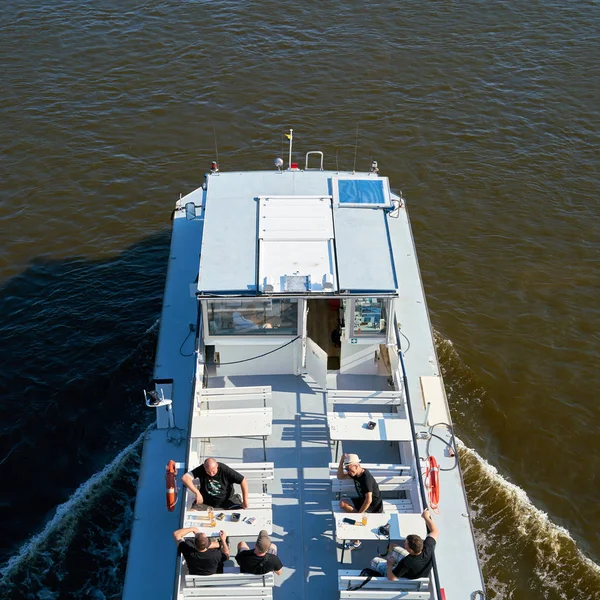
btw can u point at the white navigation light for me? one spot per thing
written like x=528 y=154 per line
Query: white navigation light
x=279 y=163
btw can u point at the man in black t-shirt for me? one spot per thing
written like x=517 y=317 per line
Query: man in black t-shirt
x=418 y=560
x=262 y=559
x=215 y=487
x=202 y=556
x=369 y=496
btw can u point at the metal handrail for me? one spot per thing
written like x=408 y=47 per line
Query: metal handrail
x=313 y=152
x=415 y=448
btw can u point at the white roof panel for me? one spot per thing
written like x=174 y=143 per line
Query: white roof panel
x=296 y=250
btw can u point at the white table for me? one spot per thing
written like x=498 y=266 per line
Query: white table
x=401 y=525
x=237 y=422
x=264 y=520
x=390 y=427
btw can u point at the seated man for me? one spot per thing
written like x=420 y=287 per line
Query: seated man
x=369 y=496
x=215 y=488
x=260 y=560
x=415 y=559
x=202 y=556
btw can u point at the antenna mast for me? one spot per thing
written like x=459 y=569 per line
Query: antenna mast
x=216 y=149
x=355 y=148
x=290 y=136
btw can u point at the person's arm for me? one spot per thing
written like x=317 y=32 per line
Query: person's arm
x=179 y=534
x=280 y=570
x=341 y=474
x=188 y=481
x=434 y=532
x=224 y=546
x=244 y=486
x=366 y=502
x=391 y=563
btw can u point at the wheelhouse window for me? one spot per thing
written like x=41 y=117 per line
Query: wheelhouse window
x=272 y=316
x=370 y=317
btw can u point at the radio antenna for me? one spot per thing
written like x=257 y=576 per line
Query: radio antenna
x=355 y=148
x=337 y=166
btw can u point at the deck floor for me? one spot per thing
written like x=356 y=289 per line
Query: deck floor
x=300 y=449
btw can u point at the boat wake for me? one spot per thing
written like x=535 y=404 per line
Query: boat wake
x=101 y=512
x=519 y=546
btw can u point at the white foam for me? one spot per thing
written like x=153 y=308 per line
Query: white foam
x=533 y=521
x=66 y=513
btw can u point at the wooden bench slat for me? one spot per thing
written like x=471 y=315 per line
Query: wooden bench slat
x=364 y=594
x=230 y=579
x=404 y=505
x=380 y=588
x=229 y=592
x=364 y=393
x=255 y=471
x=338 y=486
x=375 y=468
x=256 y=501
x=224 y=391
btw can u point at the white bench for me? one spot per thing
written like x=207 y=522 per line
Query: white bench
x=389 y=506
x=389 y=478
x=381 y=588
x=233 y=422
x=233 y=394
x=256 y=501
x=229 y=585
x=255 y=472
x=361 y=397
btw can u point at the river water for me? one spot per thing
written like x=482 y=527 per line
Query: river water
x=485 y=115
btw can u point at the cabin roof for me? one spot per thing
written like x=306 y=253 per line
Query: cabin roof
x=296 y=232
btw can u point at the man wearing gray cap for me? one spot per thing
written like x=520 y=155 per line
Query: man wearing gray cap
x=369 y=496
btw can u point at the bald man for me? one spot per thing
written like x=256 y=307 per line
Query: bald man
x=202 y=555
x=215 y=487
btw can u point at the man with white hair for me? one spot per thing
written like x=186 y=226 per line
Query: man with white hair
x=215 y=487
x=369 y=497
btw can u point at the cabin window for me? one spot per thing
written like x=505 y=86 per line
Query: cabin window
x=370 y=317
x=271 y=316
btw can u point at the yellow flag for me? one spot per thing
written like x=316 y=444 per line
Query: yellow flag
x=288 y=136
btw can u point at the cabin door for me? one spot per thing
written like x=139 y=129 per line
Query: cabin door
x=316 y=363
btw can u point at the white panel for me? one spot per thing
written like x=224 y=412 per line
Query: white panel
x=295 y=219
x=296 y=237
x=316 y=363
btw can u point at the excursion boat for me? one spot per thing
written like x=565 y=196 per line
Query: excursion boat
x=295 y=329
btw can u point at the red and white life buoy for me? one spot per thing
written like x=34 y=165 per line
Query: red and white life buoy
x=432 y=482
x=171 y=478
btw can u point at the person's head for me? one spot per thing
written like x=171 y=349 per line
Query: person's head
x=201 y=542
x=414 y=544
x=263 y=544
x=211 y=467
x=352 y=465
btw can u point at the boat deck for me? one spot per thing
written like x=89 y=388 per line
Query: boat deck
x=300 y=449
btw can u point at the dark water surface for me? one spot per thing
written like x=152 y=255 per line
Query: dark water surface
x=485 y=115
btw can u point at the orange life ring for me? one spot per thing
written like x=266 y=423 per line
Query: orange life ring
x=432 y=481
x=171 y=477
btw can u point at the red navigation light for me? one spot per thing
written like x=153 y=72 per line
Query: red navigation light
x=294 y=165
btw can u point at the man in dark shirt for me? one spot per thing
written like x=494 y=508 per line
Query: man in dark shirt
x=418 y=560
x=202 y=556
x=262 y=559
x=369 y=496
x=215 y=486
